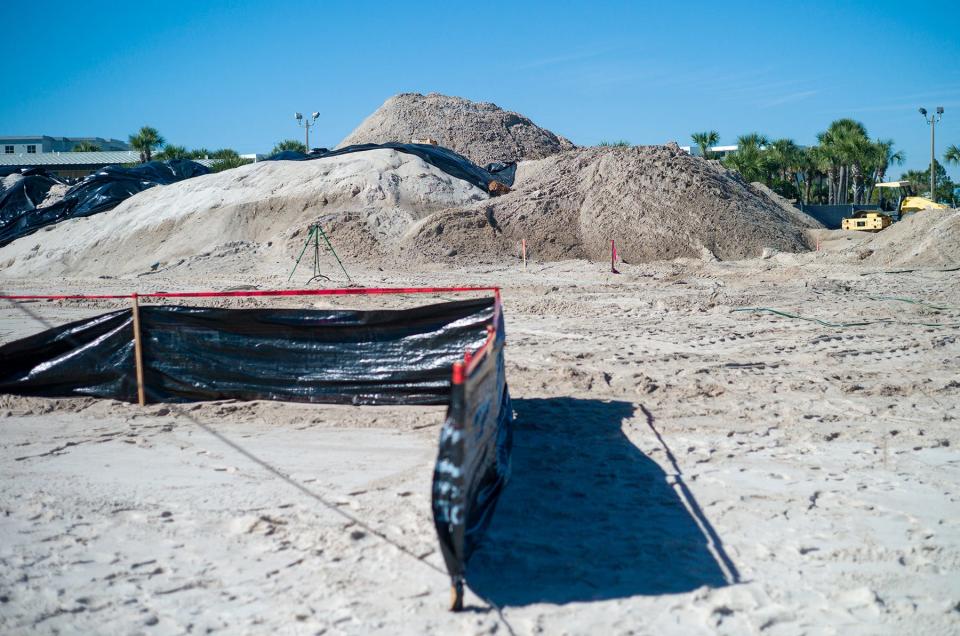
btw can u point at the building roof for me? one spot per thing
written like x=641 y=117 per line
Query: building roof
x=59 y=138
x=104 y=158
x=107 y=158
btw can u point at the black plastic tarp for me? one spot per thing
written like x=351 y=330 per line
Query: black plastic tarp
x=402 y=356
x=25 y=195
x=454 y=164
x=190 y=354
x=98 y=192
x=473 y=460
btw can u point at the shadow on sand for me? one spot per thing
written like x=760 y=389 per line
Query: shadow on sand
x=587 y=516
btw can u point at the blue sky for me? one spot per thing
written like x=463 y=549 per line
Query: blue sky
x=215 y=74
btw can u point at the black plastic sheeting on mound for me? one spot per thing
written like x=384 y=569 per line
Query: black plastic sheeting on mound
x=443 y=158
x=98 y=192
x=473 y=462
x=25 y=195
x=194 y=353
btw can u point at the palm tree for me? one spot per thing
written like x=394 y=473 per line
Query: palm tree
x=827 y=161
x=170 y=152
x=85 y=146
x=845 y=144
x=952 y=155
x=919 y=179
x=783 y=155
x=227 y=162
x=289 y=144
x=146 y=139
x=749 y=159
x=705 y=140
x=883 y=156
x=807 y=168
x=226 y=153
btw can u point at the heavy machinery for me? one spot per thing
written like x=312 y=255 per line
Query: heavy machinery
x=906 y=197
x=896 y=198
x=866 y=221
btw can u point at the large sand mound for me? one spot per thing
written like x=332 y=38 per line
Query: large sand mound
x=481 y=131
x=925 y=238
x=380 y=206
x=367 y=199
x=657 y=202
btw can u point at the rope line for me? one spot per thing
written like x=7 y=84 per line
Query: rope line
x=345 y=291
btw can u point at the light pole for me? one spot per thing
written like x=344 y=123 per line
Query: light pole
x=307 y=123
x=932 y=121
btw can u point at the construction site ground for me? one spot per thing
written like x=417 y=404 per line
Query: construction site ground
x=679 y=468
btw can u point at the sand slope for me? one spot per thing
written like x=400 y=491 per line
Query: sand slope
x=256 y=208
x=929 y=237
x=481 y=131
x=657 y=202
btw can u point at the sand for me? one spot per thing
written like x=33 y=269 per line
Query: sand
x=656 y=202
x=481 y=131
x=929 y=237
x=390 y=208
x=261 y=210
x=679 y=469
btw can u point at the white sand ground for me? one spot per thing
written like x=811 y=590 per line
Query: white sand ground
x=679 y=469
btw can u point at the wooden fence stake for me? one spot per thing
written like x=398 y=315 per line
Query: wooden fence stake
x=523 y=243
x=138 y=351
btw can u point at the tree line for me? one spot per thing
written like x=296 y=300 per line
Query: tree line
x=153 y=147
x=841 y=168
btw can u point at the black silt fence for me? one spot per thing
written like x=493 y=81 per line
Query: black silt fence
x=473 y=461
x=326 y=356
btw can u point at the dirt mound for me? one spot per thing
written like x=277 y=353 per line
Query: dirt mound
x=926 y=238
x=385 y=206
x=365 y=200
x=481 y=131
x=657 y=202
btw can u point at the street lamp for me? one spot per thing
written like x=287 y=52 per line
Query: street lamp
x=932 y=121
x=306 y=124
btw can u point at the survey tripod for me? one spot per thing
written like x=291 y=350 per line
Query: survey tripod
x=316 y=231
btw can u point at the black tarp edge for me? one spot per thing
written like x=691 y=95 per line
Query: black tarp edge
x=454 y=164
x=98 y=192
x=473 y=459
x=397 y=356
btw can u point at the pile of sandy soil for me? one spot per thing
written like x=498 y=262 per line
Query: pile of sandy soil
x=364 y=199
x=481 y=131
x=926 y=238
x=383 y=206
x=656 y=202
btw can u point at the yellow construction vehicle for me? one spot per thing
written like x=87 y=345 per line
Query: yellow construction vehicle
x=866 y=221
x=903 y=200
x=907 y=200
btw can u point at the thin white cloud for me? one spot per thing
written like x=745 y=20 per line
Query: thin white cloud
x=561 y=59
x=788 y=98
